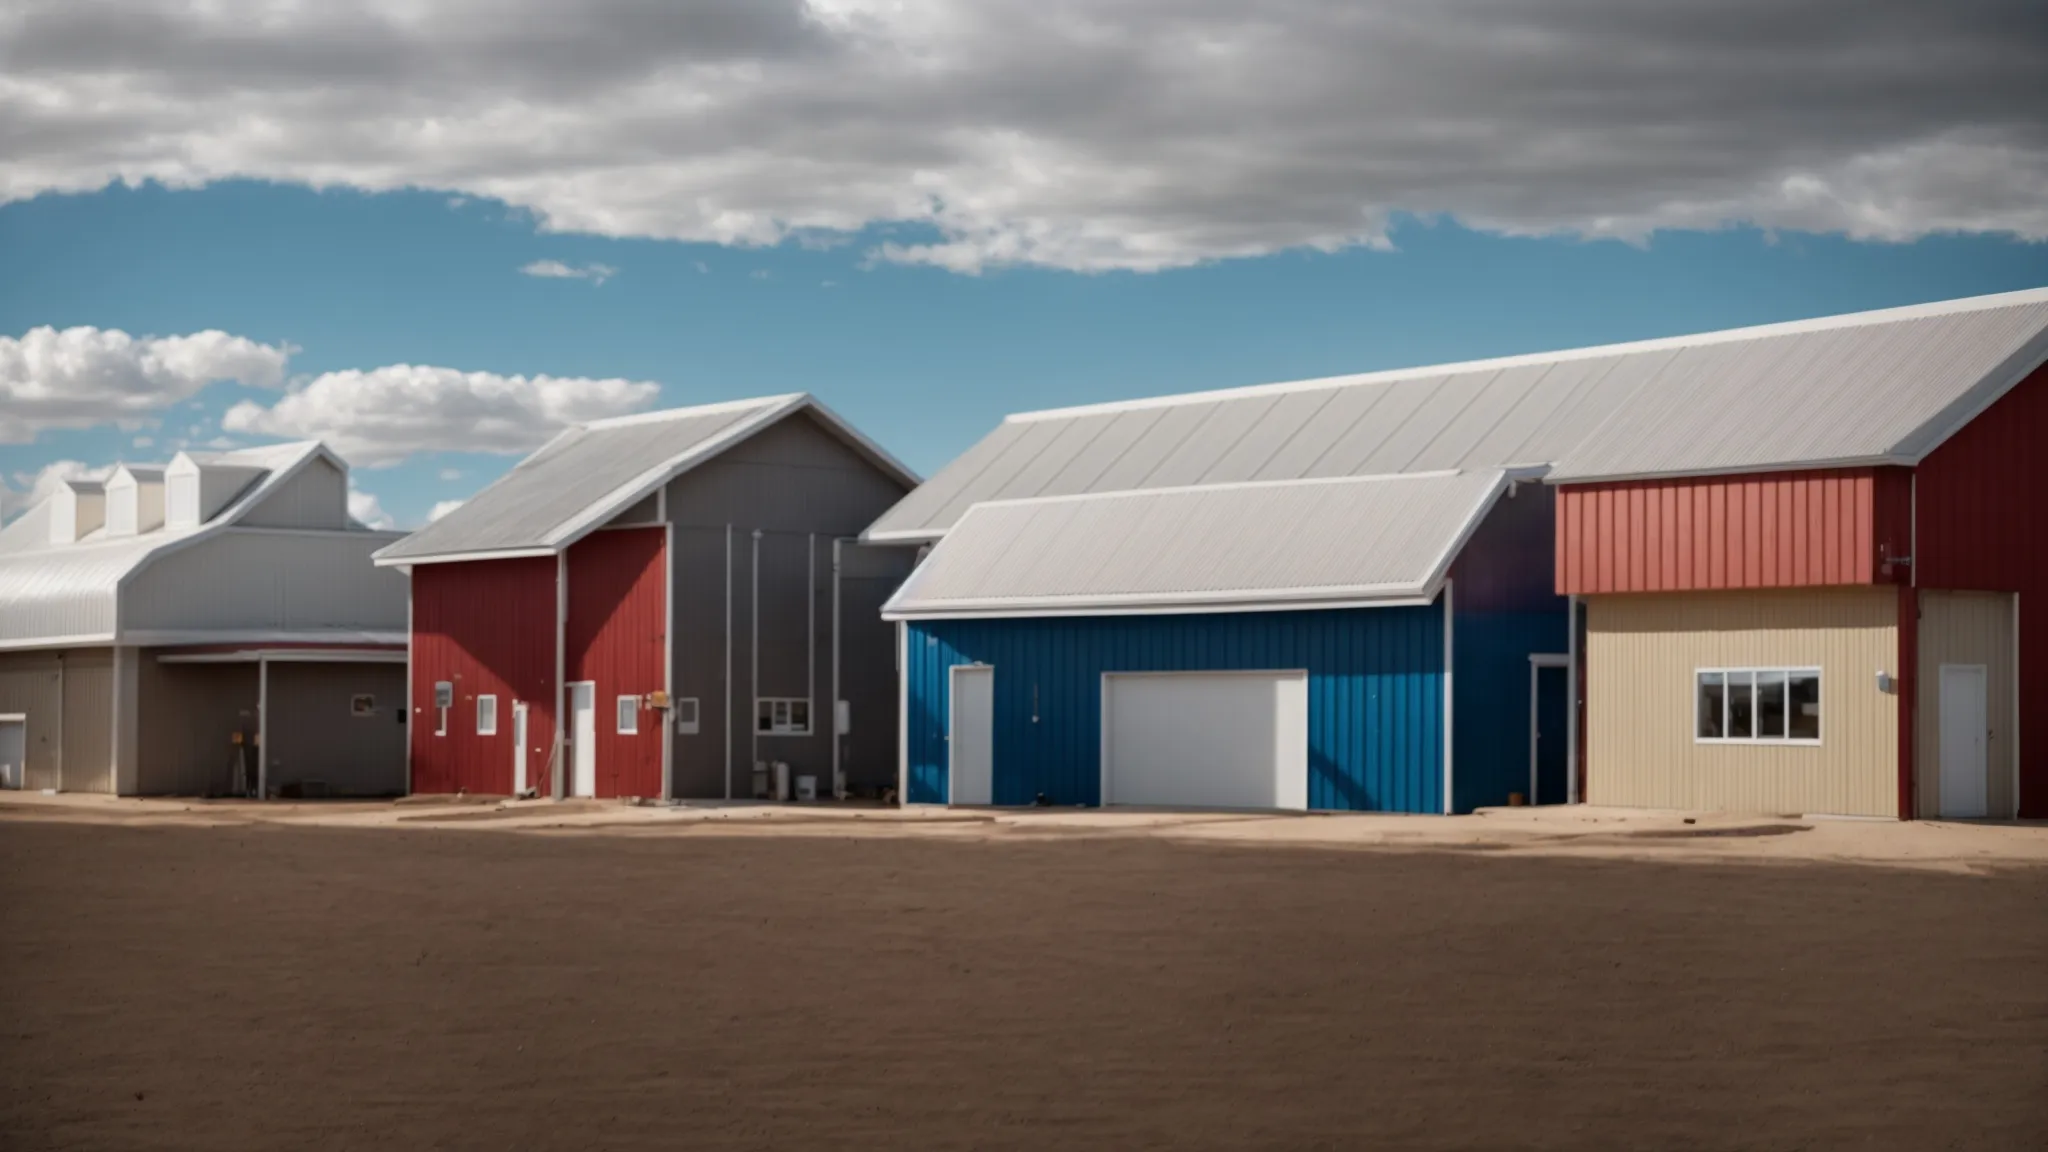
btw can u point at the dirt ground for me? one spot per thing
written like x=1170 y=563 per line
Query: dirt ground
x=212 y=980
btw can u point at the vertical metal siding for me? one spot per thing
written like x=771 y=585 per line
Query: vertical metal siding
x=29 y=685
x=1375 y=696
x=617 y=638
x=1966 y=628
x=286 y=581
x=314 y=735
x=487 y=626
x=189 y=715
x=1642 y=653
x=315 y=498
x=1772 y=530
x=88 y=720
x=1982 y=498
x=1490 y=700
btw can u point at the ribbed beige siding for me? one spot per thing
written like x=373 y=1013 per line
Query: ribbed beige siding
x=1641 y=655
x=189 y=715
x=89 y=720
x=1965 y=628
x=28 y=686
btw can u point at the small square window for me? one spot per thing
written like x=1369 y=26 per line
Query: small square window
x=629 y=715
x=487 y=715
x=362 y=704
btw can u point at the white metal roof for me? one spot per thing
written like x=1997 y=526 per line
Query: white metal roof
x=1290 y=544
x=51 y=593
x=592 y=472
x=1868 y=387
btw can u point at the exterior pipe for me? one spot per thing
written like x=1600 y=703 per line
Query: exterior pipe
x=728 y=662
x=668 y=650
x=811 y=632
x=1448 y=805
x=262 y=728
x=902 y=714
x=836 y=547
x=754 y=656
x=1571 y=700
x=559 y=761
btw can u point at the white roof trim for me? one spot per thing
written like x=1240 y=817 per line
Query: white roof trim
x=335 y=636
x=1233 y=486
x=406 y=562
x=1523 y=360
x=290 y=656
x=1218 y=607
x=695 y=410
x=81 y=640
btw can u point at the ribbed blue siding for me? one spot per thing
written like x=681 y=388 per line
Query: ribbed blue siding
x=1490 y=700
x=1375 y=696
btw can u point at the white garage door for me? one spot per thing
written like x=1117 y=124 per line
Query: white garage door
x=1206 y=739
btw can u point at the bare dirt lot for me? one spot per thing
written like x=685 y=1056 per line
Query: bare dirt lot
x=271 y=986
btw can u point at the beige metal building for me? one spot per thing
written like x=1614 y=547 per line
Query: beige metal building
x=158 y=630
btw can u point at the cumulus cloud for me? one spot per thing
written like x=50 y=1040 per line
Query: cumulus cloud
x=82 y=377
x=368 y=510
x=32 y=488
x=384 y=415
x=442 y=508
x=556 y=270
x=1076 y=134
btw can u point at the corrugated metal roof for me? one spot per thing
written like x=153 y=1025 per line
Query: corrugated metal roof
x=1865 y=387
x=591 y=472
x=1303 y=543
x=53 y=592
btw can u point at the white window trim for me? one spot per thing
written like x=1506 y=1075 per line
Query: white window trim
x=1790 y=670
x=621 y=713
x=481 y=730
x=789 y=730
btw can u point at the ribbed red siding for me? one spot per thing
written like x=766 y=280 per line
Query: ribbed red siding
x=1768 y=530
x=617 y=637
x=1983 y=525
x=488 y=627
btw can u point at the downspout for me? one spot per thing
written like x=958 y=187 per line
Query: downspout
x=262 y=727
x=1571 y=711
x=728 y=662
x=811 y=632
x=1448 y=808
x=668 y=652
x=754 y=654
x=560 y=765
x=1909 y=652
x=836 y=733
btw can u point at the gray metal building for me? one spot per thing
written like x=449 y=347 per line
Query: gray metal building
x=685 y=588
x=158 y=630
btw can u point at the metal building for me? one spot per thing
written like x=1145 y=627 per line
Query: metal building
x=1333 y=594
x=211 y=627
x=1803 y=557
x=685 y=588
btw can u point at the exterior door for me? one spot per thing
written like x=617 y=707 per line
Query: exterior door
x=1549 y=701
x=971 y=739
x=1963 y=738
x=519 y=748
x=1206 y=739
x=13 y=752
x=583 y=738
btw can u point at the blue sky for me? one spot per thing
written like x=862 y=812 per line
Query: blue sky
x=239 y=220
x=925 y=360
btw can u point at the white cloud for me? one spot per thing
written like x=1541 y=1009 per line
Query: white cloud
x=83 y=377
x=1070 y=133
x=384 y=415
x=556 y=270
x=32 y=488
x=365 y=507
x=442 y=508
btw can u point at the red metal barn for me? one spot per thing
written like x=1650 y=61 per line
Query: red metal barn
x=1809 y=557
x=682 y=590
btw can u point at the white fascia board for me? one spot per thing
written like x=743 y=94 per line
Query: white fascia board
x=1567 y=478
x=81 y=640
x=406 y=562
x=904 y=536
x=1211 y=608
x=288 y=656
x=165 y=638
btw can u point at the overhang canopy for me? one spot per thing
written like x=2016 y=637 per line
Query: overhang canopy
x=1378 y=540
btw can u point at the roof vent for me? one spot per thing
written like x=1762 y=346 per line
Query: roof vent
x=77 y=510
x=135 y=500
x=197 y=488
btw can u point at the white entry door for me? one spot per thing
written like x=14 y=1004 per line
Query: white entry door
x=519 y=747
x=1964 y=735
x=971 y=738
x=1206 y=739
x=583 y=738
x=13 y=752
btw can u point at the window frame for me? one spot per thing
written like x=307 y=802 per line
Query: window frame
x=1753 y=671
x=626 y=707
x=787 y=704
x=691 y=725
x=493 y=729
